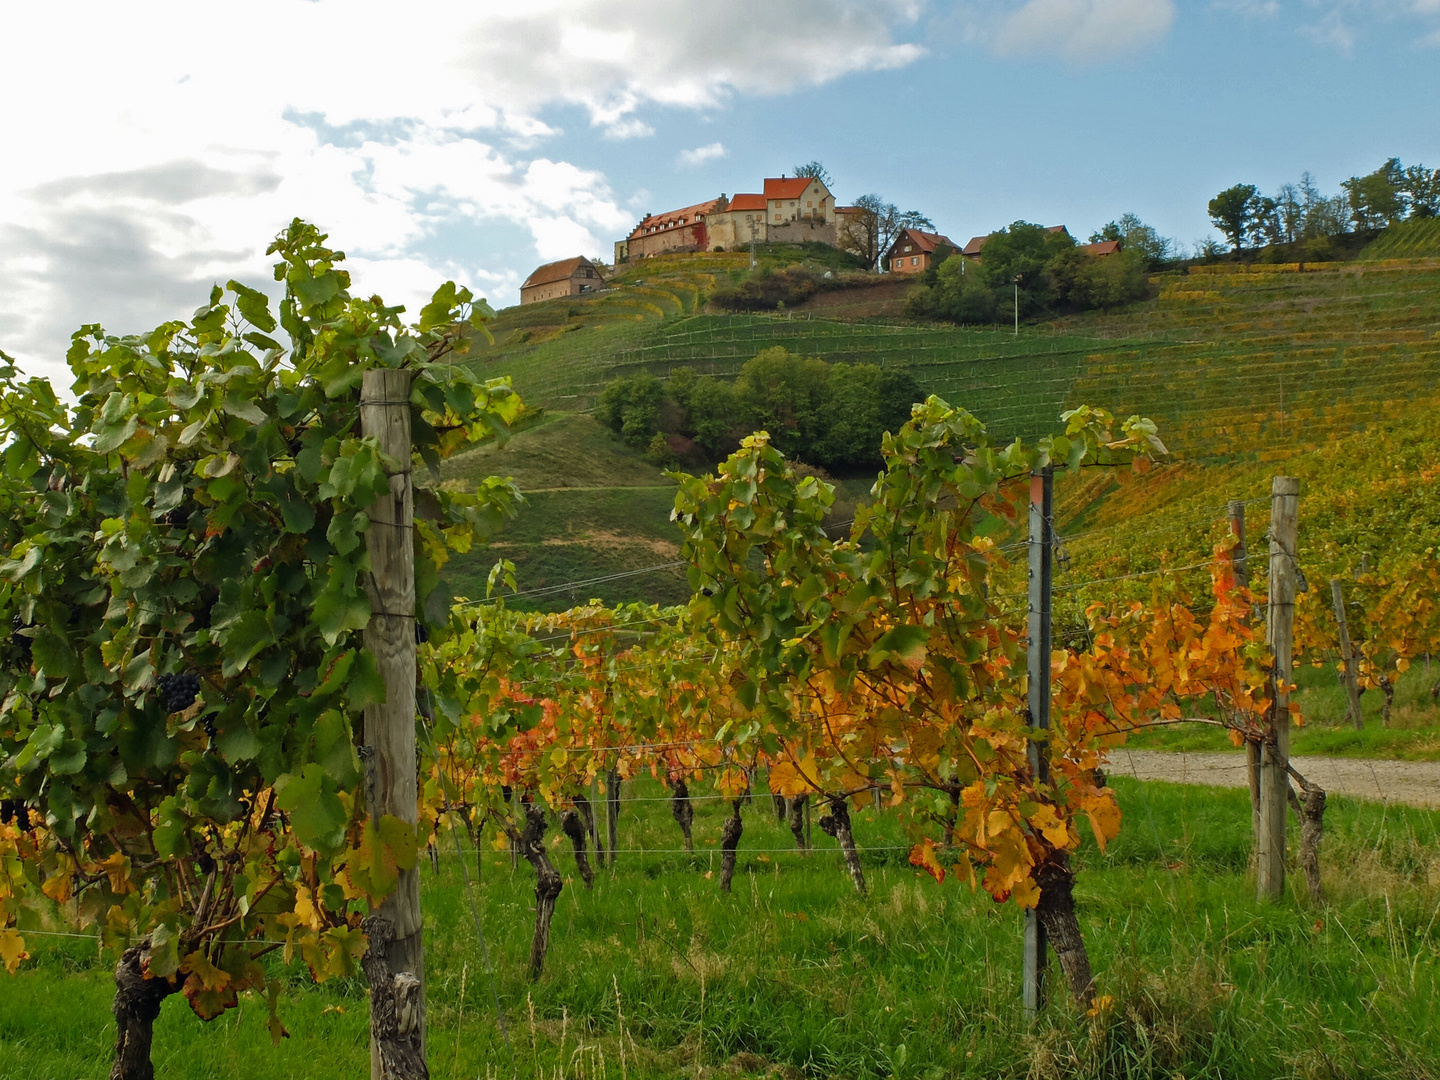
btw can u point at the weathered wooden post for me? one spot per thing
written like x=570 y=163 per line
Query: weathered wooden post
x=1042 y=483
x=1350 y=673
x=1279 y=633
x=390 y=727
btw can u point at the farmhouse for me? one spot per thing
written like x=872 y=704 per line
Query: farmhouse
x=913 y=250
x=568 y=277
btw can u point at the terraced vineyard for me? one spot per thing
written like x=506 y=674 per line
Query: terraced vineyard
x=1417 y=238
x=1266 y=363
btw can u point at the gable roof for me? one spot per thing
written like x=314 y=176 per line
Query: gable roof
x=748 y=202
x=923 y=241
x=557 y=271
x=1102 y=247
x=671 y=218
x=786 y=187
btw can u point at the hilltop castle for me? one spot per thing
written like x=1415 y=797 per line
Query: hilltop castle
x=790 y=209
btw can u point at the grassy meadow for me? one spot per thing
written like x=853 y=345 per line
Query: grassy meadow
x=655 y=974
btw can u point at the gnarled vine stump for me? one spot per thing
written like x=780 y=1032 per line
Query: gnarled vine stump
x=573 y=826
x=396 y=1007
x=136 y=1007
x=1056 y=911
x=548 y=882
x=729 y=842
x=836 y=822
x=682 y=810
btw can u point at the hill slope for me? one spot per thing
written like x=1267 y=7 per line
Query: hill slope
x=1236 y=365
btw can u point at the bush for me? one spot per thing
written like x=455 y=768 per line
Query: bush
x=765 y=290
x=631 y=408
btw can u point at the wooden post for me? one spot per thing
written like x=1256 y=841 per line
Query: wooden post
x=1236 y=513
x=1350 y=674
x=390 y=638
x=1279 y=633
x=1038 y=669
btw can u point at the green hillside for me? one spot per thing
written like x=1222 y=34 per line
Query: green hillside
x=1418 y=238
x=1236 y=364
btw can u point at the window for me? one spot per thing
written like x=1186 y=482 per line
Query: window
x=809 y=202
x=909 y=248
x=914 y=259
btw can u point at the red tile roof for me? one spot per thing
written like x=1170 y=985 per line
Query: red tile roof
x=656 y=222
x=923 y=241
x=748 y=202
x=1102 y=247
x=557 y=271
x=791 y=187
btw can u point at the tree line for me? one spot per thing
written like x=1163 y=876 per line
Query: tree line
x=1302 y=214
x=830 y=416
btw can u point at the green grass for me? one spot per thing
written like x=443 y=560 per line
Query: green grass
x=593 y=508
x=1413 y=734
x=793 y=975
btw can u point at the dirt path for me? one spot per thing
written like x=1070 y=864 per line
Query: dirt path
x=1415 y=783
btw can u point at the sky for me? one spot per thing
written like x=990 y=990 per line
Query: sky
x=151 y=149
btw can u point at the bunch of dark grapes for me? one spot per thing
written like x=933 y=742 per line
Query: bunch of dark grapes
x=422 y=633
x=14 y=810
x=177 y=518
x=177 y=692
x=209 y=724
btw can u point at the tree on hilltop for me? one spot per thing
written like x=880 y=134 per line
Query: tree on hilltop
x=1234 y=212
x=816 y=171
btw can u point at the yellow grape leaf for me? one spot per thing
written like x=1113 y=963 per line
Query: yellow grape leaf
x=207 y=988
x=1104 y=815
x=344 y=946
x=923 y=856
x=117 y=869
x=1026 y=893
x=198 y=965
x=57 y=886
x=1050 y=826
x=1235 y=737
x=786 y=779
x=12 y=950
x=1010 y=858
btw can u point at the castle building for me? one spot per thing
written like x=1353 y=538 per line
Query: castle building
x=568 y=277
x=685 y=229
x=792 y=209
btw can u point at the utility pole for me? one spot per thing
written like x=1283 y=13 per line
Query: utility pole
x=1279 y=635
x=1235 y=510
x=1042 y=486
x=1017 y=305
x=390 y=727
x=1350 y=676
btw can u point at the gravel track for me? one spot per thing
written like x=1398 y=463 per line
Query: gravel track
x=1414 y=783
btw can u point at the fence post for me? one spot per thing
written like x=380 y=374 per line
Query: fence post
x=1038 y=670
x=1349 y=675
x=1279 y=632
x=1235 y=510
x=390 y=638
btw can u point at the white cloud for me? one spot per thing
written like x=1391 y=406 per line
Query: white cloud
x=1082 y=32
x=130 y=185
x=702 y=154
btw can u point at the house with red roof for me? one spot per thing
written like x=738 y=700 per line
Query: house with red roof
x=914 y=250
x=568 y=277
